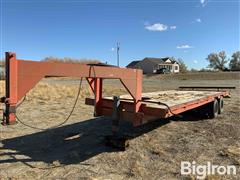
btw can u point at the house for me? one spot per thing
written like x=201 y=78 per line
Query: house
x=153 y=65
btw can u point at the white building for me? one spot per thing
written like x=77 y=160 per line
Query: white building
x=155 y=65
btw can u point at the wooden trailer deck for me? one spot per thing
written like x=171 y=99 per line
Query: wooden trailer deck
x=172 y=98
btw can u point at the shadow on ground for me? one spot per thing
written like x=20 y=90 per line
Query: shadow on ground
x=73 y=143
x=69 y=144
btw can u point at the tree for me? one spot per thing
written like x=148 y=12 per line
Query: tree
x=235 y=61
x=194 y=70
x=217 y=61
x=71 y=60
x=182 y=66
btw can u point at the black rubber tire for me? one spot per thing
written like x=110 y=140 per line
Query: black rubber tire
x=220 y=105
x=213 y=109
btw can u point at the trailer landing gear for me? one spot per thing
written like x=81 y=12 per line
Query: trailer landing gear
x=116 y=140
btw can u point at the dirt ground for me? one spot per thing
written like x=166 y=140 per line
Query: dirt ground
x=76 y=149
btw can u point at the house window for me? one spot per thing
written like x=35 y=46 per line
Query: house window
x=176 y=68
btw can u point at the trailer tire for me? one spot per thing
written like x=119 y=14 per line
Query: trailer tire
x=220 y=105
x=213 y=109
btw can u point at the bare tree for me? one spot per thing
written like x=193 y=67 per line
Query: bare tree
x=217 y=61
x=235 y=61
x=182 y=66
x=71 y=60
x=194 y=70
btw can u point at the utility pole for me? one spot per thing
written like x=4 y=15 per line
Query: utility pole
x=118 y=48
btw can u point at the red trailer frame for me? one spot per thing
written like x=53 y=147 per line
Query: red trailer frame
x=22 y=75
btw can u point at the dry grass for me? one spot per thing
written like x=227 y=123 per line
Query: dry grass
x=77 y=151
x=2 y=88
x=48 y=92
x=198 y=76
x=45 y=91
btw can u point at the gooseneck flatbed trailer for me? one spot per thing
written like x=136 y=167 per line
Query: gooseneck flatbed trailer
x=137 y=107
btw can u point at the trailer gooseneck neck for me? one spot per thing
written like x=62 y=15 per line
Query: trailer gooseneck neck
x=22 y=76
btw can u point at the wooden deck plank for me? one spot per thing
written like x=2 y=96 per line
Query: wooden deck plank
x=169 y=97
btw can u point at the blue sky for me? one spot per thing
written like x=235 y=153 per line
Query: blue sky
x=187 y=29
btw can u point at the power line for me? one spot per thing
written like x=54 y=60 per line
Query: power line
x=118 y=48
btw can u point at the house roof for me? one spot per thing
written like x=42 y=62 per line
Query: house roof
x=132 y=64
x=159 y=60
x=153 y=60
x=174 y=62
x=165 y=59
